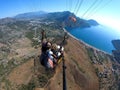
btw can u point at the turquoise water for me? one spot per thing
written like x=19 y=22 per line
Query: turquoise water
x=97 y=36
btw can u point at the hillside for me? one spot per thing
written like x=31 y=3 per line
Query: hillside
x=116 y=44
x=87 y=68
x=116 y=52
x=61 y=18
x=30 y=15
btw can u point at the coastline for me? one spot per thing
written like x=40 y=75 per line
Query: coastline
x=90 y=46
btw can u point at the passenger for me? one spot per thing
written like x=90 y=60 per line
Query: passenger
x=44 y=46
x=50 y=54
x=51 y=59
x=43 y=35
x=57 y=50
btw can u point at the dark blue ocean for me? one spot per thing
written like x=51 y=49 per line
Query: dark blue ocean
x=96 y=36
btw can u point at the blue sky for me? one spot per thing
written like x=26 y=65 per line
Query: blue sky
x=104 y=11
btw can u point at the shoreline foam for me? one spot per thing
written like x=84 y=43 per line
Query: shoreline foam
x=86 y=44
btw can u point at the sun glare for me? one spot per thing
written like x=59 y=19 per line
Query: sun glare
x=110 y=22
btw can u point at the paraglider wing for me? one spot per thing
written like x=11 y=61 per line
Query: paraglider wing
x=73 y=19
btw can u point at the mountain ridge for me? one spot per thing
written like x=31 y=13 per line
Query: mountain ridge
x=62 y=18
x=30 y=15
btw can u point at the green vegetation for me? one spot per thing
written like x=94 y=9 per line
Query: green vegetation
x=51 y=34
x=6 y=67
x=1 y=70
x=97 y=57
x=1 y=34
x=101 y=58
x=91 y=54
x=18 y=25
x=43 y=79
x=30 y=35
x=14 y=32
x=116 y=76
x=7 y=84
x=97 y=71
x=29 y=86
x=5 y=49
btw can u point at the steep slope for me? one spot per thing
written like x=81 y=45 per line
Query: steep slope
x=87 y=69
x=80 y=72
x=116 y=52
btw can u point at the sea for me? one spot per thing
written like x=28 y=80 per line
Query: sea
x=99 y=36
